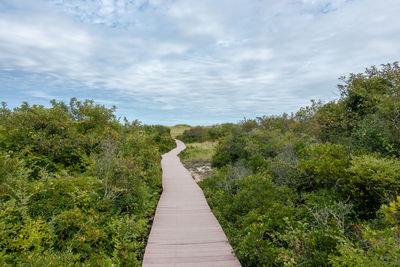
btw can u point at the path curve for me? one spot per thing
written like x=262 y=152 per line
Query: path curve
x=185 y=232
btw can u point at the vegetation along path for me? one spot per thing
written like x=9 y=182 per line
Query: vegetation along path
x=185 y=232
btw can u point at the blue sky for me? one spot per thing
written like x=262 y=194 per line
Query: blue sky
x=191 y=61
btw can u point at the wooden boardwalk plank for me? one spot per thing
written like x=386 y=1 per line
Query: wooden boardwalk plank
x=184 y=231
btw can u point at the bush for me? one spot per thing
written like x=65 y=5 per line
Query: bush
x=230 y=150
x=194 y=134
x=371 y=182
x=391 y=212
x=377 y=248
x=201 y=134
x=324 y=165
x=20 y=235
x=319 y=187
x=72 y=179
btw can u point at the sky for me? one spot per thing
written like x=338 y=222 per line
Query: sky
x=199 y=62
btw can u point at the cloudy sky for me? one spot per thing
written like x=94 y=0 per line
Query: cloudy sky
x=191 y=61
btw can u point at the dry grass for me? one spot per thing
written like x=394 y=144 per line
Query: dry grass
x=197 y=156
x=197 y=159
x=199 y=151
x=178 y=129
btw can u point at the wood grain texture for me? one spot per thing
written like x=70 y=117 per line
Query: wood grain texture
x=185 y=232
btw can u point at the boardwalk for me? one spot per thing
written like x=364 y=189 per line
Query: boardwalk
x=185 y=233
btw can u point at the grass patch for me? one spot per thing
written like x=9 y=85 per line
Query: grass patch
x=198 y=151
x=197 y=159
x=179 y=129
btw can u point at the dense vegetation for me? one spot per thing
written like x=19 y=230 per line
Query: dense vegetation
x=76 y=185
x=320 y=187
x=200 y=145
x=317 y=188
x=200 y=134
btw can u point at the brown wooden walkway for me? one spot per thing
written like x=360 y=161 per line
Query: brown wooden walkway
x=185 y=233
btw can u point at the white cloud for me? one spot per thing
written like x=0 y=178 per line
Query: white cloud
x=201 y=59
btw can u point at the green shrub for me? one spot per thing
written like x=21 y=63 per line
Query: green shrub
x=324 y=164
x=76 y=186
x=230 y=150
x=377 y=248
x=249 y=208
x=319 y=187
x=20 y=235
x=372 y=135
x=391 y=212
x=201 y=134
x=194 y=134
x=59 y=194
x=372 y=181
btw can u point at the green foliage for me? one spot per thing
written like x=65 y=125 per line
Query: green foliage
x=316 y=188
x=372 y=182
x=200 y=134
x=249 y=208
x=376 y=248
x=194 y=134
x=378 y=133
x=76 y=186
x=363 y=92
x=325 y=164
x=391 y=212
x=230 y=150
x=162 y=136
x=178 y=129
x=197 y=153
x=319 y=187
x=334 y=123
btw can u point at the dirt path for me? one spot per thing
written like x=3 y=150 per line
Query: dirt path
x=185 y=232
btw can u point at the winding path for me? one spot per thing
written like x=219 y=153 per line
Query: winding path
x=185 y=232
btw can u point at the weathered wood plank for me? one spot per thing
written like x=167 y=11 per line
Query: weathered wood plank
x=184 y=231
